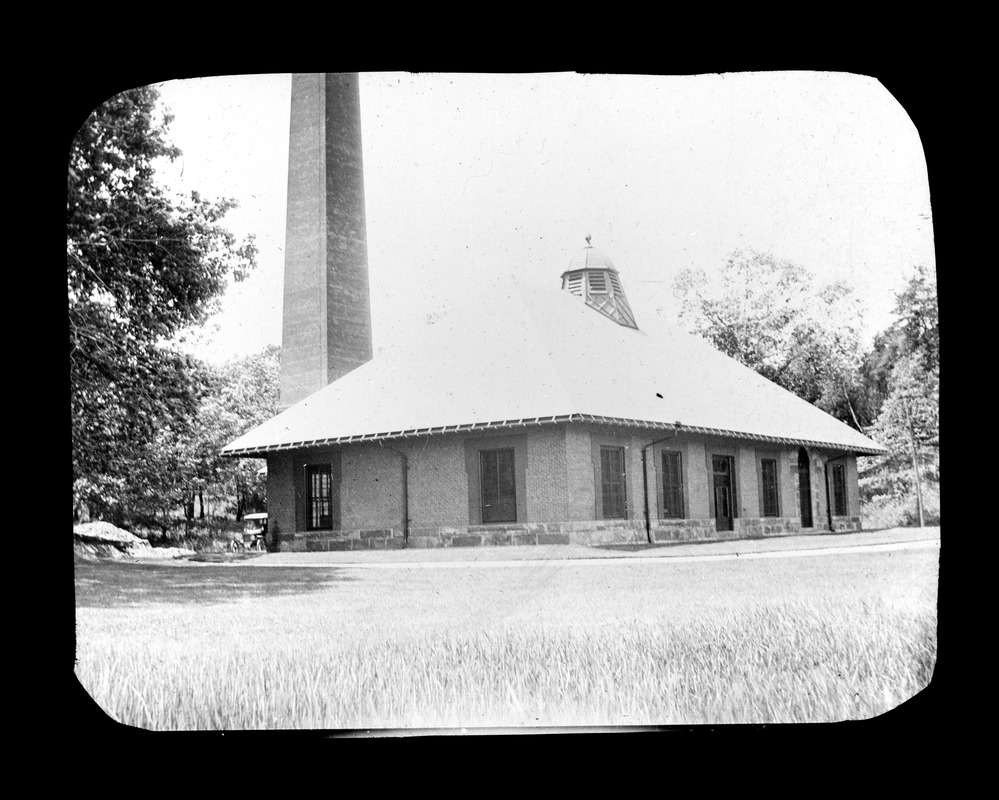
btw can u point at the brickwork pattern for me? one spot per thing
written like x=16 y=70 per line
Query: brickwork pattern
x=561 y=497
x=747 y=480
x=326 y=328
x=371 y=488
x=852 y=488
x=698 y=477
x=546 y=475
x=438 y=485
x=280 y=495
x=580 y=491
x=348 y=304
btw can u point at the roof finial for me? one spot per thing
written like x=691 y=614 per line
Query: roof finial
x=588 y=241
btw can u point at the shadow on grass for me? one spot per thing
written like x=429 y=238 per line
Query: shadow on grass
x=110 y=584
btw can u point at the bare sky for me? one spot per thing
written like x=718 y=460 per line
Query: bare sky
x=471 y=180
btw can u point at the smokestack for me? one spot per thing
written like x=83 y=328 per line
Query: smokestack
x=326 y=329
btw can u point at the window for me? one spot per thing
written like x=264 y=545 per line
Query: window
x=723 y=479
x=319 y=497
x=768 y=473
x=612 y=485
x=672 y=485
x=839 y=490
x=499 y=485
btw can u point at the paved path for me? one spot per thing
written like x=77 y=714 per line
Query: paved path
x=809 y=545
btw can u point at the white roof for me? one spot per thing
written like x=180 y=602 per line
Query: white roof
x=540 y=355
x=590 y=258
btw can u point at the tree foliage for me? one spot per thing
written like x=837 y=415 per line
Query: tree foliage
x=904 y=365
x=181 y=470
x=244 y=394
x=141 y=267
x=767 y=314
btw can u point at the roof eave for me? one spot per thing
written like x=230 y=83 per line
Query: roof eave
x=260 y=452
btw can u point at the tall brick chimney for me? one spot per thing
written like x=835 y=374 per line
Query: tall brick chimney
x=326 y=330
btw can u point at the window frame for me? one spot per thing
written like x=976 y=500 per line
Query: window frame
x=511 y=501
x=621 y=484
x=839 y=499
x=732 y=469
x=676 y=487
x=312 y=523
x=764 y=460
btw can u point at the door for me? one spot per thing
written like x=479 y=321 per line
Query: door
x=805 y=488
x=723 y=468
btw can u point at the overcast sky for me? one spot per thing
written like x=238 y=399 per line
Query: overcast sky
x=471 y=180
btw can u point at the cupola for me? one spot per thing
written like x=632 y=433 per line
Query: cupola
x=592 y=276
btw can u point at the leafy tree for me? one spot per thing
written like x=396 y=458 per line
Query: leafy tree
x=918 y=313
x=765 y=313
x=905 y=367
x=141 y=268
x=160 y=480
x=244 y=394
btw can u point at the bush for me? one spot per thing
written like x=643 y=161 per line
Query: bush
x=214 y=534
x=902 y=511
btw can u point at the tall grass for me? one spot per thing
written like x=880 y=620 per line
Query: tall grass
x=776 y=662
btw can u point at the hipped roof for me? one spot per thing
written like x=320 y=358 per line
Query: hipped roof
x=533 y=355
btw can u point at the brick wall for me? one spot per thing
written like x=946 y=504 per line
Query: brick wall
x=326 y=328
x=370 y=488
x=580 y=492
x=473 y=445
x=787 y=490
x=747 y=479
x=547 y=477
x=558 y=486
x=820 y=519
x=280 y=496
x=852 y=489
x=698 y=478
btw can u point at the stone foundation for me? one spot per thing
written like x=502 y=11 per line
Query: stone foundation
x=590 y=532
x=322 y=541
x=587 y=532
x=845 y=524
x=686 y=530
x=761 y=527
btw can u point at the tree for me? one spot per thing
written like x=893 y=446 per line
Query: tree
x=918 y=314
x=765 y=313
x=243 y=394
x=905 y=367
x=141 y=268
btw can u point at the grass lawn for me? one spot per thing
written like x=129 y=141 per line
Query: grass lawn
x=845 y=636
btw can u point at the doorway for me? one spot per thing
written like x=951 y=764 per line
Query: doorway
x=805 y=488
x=723 y=468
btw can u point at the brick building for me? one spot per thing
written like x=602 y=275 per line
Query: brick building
x=536 y=416
x=550 y=416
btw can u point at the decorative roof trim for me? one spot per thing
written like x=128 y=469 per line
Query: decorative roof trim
x=248 y=452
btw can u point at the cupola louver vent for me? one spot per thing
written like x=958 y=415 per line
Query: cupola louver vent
x=592 y=276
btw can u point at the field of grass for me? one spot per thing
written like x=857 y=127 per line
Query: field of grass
x=549 y=644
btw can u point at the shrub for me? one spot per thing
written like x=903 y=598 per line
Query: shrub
x=902 y=511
